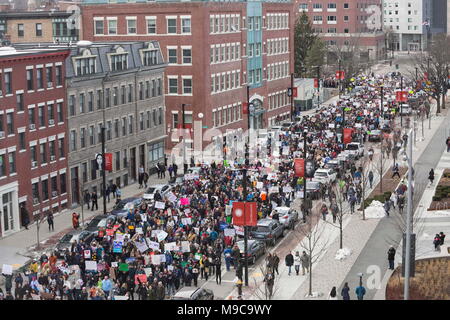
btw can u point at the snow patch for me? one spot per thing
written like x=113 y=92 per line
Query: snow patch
x=426 y=236
x=375 y=210
x=314 y=295
x=343 y=253
x=442 y=212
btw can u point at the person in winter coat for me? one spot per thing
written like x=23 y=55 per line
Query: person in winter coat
x=360 y=292
x=24 y=215
x=324 y=211
x=75 y=221
x=269 y=279
x=442 y=237
x=345 y=292
x=437 y=242
x=50 y=222
x=289 y=259
x=305 y=262
x=297 y=262
x=387 y=206
x=276 y=262
x=332 y=295
x=391 y=257
x=370 y=178
x=431 y=176
x=160 y=291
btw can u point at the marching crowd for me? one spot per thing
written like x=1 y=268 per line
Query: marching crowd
x=186 y=235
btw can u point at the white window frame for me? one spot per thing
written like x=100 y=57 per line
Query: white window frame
x=188 y=77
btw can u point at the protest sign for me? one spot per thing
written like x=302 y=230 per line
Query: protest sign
x=229 y=232
x=123 y=267
x=7 y=269
x=259 y=185
x=171 y=197
x=116 y=297
x=285 y=151
x=287 y=189
x=160 y=205
x=110 y=232
x=198 y=256
x=184 y=201
x=148 y=271
x=91 y=265
x=141 y=246
x=239 y=230
x=171 y=246
x=117 y=246
x=142 y=278
x=186 y=221
x=139 y=231
x=87 y=254
x=228 y=210
x=153 y=245
x=120 y=237
x=162 y=235
x=114 y=264
x=185 y=247
x=187 y=211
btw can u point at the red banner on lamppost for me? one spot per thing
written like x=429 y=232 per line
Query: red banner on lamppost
x=294 y=92
x=316 y=83
x=347 y=135
x=245 y=108
x=340 y=75
x=401 y=96
x=108 y=161
x=299 y=167
x=244 y=214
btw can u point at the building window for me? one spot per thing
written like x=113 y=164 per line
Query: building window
x=150 y=57
x=346 y=5
x=61 y=147
x=20 y=30
x=130 y=124
x=71 y=105
x=141 y=121
x=44 y=184
x=59 y=110
x=19 y=101
x=108 y=130
x=187 y=56
x=131 y=26
x=40 y=78
x=151 y=26
x=50 y=114
x=91 y=135
x=116 y=96
x=84 y=171
x=124 y=126
x=175 y=120
x=332 y=6
x=172 y=26
x=8 y=82
x=38 y=29
x=31 y=117
x=173 y=85
x=172 y=54
x=49 y=72
x=52 y=150
x=99 y=27
x=112 y=27
x=35 y=192
x=119 y=62
x=186 y=25
x=148 y=119
x=187 y=86
x=54 y=185
x=85 y=66
x=82 y=138
x=130 y=93
x=41 y=116
x=30 y=80
x=58 y=71
x=22 y=144
x=81 y=101
x=73 y=140
x=117 y=160
x=62 y=182
x=43 y=152
x=122 y=95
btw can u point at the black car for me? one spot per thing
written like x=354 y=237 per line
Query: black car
x=66 y=241
x=100 y=221
x=268 y=230
x=121 y=209
x=194 y=294
x=255 y=249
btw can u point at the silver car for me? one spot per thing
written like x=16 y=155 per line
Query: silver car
x=287 y=216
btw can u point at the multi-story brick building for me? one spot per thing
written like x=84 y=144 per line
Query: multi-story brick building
x=214 y=51
x=118 y=86
x=347 y=24
x=33 y=150
x=38 y=27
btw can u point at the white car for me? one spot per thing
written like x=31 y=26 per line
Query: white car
x=287 y=216
x=325 y=175
x=163 y=189
x=355 y=148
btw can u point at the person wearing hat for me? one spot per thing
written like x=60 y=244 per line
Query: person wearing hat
x=391 y=257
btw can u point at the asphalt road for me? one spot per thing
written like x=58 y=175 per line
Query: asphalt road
x=388 y=232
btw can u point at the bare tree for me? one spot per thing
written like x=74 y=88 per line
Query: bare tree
x=39 y=218
x=381 y=165
x=339 y=198
x=313 y=242
x=365 y=166
x=262 y=291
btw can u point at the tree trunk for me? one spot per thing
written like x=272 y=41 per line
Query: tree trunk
x=37 y=232
x=310 y=275
x=438 y=105
x=443 y=101
x=340 y=233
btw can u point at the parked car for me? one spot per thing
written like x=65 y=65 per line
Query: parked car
x=355 y=148
x=268 y=230
x=287 y=125
x=100 y=221
x=334 y=164
x=287 y=216
x=121 y=209
x=255 y=249
x=162 y=189
x=195 y=294
x=176 y=181
x=325 y=175
x=66 y=241
x=313 y=189
x=375 y=135
x=405 y=109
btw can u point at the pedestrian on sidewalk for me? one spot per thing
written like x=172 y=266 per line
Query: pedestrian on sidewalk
x=107 y=193
x=387 y=206
x=324 y=211
x=158 y=170
x=437 y=242
x=289 y=259
x=163 y=170
x=332 y=295
x=447 y=142
x=87 y=198
x=297 y=262
x=431 y=176
x=113 y=190
x=170 y=169
x=145 y=179
x=391 y=257
x=217 y=265
x=175 y=170
x=118 y=195
x=276 y=262
x=50 y=222
x=94 y=199
x=370 y=178
x=345 y=292
x=24 y=215
x=75 y=220
x=141 y=175
x=305 y=262
x=269 y=279
x=395 y=171
x=442 y=237
x=360 y=292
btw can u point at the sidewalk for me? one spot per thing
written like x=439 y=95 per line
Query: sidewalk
x=17 y=248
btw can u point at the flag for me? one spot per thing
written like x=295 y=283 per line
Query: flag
x=108 y=161
x=340 y=75
x=401 y=96
x=245 y=108
x=316 y=83
x=244 y=213
x=347 y=135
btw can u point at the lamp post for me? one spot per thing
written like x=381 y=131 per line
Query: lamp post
x=103 y=169
x=305 y=146
x=185 y=166
x=401 y=102
x=382 y=96
x=292 y=97
x=339 y=69
x=409 y=208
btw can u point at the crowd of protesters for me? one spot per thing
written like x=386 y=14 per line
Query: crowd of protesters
x=181 y=237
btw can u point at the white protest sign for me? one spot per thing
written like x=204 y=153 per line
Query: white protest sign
x=187 y=211
x=114 y=264
x=91 y=265
x=153 y=245
x=87 y=254
x=259 y=185
x=141 y=246
x=239 y=230
x=162 y=235
x=160 y=205
x=170 y=268
x=116 y=297
x=285 y=151
x=171 y=246
x=148 y=271
x=171 y=197
x=120 y=237
x=7 y=269
x=331 y=125
x=186 y=221
x=273 y=189
x=228 y=210
x=185 y=247
x=139 y=231
x=229 y=232
x=287 y=189
x=357 y=125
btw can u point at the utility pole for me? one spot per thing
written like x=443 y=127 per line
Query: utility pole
x=185 y=166
x=292 y=97
x=409 y=209
x=382 y=96
x=318 y=87
x=304 y=174
x=339 y=69
x=244 y=186
x=103 y=169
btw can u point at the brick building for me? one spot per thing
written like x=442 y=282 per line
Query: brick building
x=37 y=27
x=347 y=23
x=214 y=50
x=33 y=145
